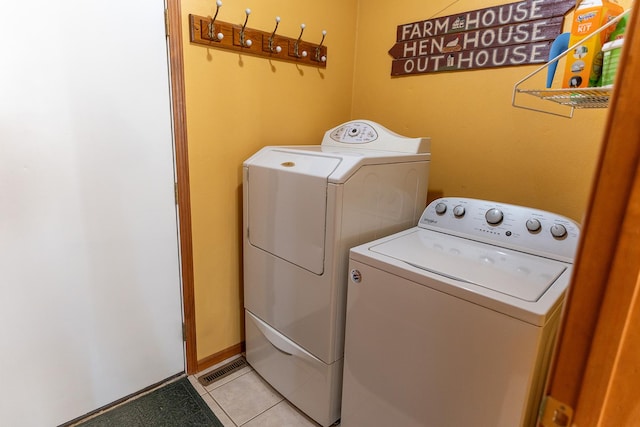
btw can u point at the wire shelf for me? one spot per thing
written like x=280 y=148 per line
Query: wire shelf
x=576 y=98
x=572 y=98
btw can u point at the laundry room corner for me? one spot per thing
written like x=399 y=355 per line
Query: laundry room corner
x=236 y=104
x=482 y=147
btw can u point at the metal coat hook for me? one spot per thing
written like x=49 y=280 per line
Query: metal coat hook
x=319 y=49
x=276 y=49
x=243 y=40
x=296 y=45
x=212 y=30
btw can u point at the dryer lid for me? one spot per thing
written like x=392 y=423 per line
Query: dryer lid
x=509 y=272
x=287 y=205
x=303 y=160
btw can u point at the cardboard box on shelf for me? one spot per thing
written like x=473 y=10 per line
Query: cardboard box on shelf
x=583 y=66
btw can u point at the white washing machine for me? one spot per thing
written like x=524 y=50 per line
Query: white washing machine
x=452 y=323
x=304 y=207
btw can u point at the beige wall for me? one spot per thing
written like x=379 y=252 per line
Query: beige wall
x=237 y=104
x=482 y=147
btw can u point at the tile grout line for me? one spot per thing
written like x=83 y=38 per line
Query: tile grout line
x=223 y=410
x=208 y=388
x=257 y=415
x=220 y=405
x=229 y=415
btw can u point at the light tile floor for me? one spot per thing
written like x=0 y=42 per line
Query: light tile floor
x=244 y=399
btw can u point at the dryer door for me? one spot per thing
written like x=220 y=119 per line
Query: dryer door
x=287 y=205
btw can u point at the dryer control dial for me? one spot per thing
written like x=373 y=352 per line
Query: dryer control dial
x=494 y=216
x=354 y=133
x=533 y=225
x=558 y=231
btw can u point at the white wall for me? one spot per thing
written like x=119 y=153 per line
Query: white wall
x=89 y=275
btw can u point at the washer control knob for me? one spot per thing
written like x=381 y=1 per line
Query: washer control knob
x=494 y=216
x=558 y=231
x=533 y=225
x=441 y=208
x=459 y=211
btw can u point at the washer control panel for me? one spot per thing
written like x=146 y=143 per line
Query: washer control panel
x=515 y=227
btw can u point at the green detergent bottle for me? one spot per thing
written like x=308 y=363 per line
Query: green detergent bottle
x=618 y=33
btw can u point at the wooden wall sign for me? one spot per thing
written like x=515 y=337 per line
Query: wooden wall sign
x=511 y=34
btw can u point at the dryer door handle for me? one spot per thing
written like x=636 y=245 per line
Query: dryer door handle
x=280 y=342
x=279 y=349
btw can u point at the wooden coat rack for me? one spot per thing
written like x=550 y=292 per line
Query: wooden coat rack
x=210 y=32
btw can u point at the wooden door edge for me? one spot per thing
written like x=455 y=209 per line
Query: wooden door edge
x=574 y=377
x=176 y=60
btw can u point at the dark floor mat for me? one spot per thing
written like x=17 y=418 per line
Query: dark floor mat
x=174 y=405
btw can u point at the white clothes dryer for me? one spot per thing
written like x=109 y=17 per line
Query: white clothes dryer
x=304 y=207
x=452 y=323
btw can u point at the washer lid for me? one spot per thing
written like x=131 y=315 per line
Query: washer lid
x=509 y=272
